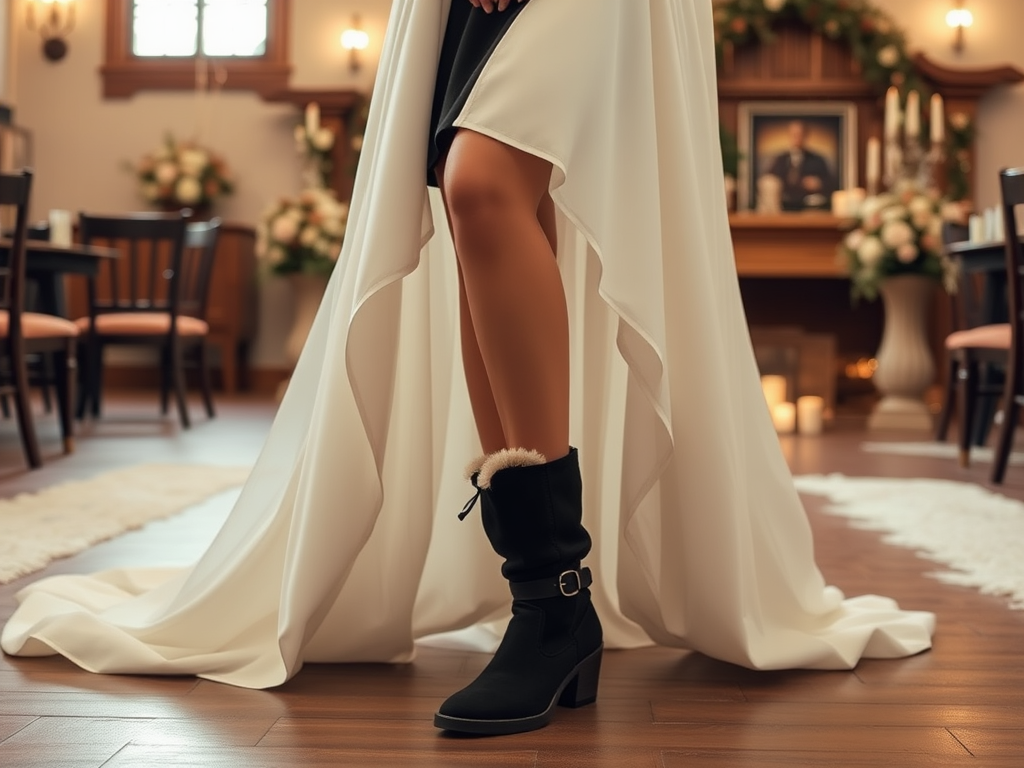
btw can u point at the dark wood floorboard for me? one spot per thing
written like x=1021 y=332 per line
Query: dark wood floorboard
x=960 y=704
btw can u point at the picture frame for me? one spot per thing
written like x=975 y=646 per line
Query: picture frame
x=824 y=133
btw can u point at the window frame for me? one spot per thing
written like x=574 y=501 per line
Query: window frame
x=124 y=74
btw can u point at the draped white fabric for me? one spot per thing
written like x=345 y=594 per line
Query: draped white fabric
x=344 y=543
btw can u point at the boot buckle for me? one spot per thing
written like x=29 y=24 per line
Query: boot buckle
x=570 y=583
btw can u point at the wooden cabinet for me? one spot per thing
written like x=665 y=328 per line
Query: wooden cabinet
x=231 y=311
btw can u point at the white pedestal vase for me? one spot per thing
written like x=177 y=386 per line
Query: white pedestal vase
x=905 y=365
x=307 y=293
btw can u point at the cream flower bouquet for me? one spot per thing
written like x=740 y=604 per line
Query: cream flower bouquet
x=898 y=233
x=304 y=234
x=183 y=175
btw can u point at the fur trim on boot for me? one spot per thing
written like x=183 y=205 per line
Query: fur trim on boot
x=506 y=459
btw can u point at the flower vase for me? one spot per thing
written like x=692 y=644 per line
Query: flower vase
x=307 y=293
x=905 y=365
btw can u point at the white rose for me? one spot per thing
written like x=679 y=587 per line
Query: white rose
x=151 y=192
x=895 y=213
x=896 y=234
x=889 y=56
x=165 y=172
x=921 y=204
x=854 y=239
x=284 y=229
x=935 y=227
x=774 y=5
x=871 y=251
x=873 y=205
x=334 y=227
x=357 y=143
x=193 y=161
x=308 y=236
x=921 y=220
x=907 y=253
x=325 y=248
x=188 y=190
x=275 y=254
x=323 y=139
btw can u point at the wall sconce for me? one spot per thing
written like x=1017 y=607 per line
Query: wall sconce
x=354 y=40
x=959 y=18
x=54 y=19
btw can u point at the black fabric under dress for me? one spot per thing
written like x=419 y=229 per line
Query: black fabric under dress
x=469 y=40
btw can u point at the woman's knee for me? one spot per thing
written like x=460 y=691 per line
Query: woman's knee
x=486 y=181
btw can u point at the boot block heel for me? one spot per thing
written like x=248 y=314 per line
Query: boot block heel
x=582 y=688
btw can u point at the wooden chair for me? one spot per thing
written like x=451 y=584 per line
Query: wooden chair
x=1011 y=182
x=154 y=295
x=972 y=307
x=24 y=333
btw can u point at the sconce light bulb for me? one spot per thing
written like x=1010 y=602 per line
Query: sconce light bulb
x=959 y=17
x=354 y=40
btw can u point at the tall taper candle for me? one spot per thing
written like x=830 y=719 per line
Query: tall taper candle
x=892 y=112
x=938 y=127
x=312 y=118
x=874 y=164
x=913 y=120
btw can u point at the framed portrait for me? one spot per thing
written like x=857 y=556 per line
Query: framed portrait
x=795 y=154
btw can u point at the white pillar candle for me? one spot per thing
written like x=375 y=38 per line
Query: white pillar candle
x=810 y=411
x=854 y=200
x=840 y=204
x=60 y=228
x=874 y=164
x=913 y=121
x=938 y=126
x=892 y=112
x=784 y=418
x=774 y=388
x=976 y=228
x=312 y=118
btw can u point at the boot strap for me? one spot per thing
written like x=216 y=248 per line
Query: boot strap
x=566 y=584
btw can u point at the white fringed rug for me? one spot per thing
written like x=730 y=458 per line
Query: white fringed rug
x=978 y=534
x=36 y=528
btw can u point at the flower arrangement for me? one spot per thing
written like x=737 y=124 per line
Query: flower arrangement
x=898 y=233
x=304 y=234
x=182 y=175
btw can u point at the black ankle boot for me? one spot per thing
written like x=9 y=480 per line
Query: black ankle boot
x=551 y=652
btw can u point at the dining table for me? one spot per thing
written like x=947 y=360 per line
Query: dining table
x=46 y=264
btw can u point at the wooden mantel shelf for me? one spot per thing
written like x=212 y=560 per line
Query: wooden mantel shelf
x=788 y=245
x=970 y=83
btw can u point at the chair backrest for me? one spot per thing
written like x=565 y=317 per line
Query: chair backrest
x=1011 y=183
x=967 y=303
x=146 y=276
x=201 y=239
x=15 y=192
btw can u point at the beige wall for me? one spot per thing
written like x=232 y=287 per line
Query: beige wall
x=5 y=47
x=82 y=141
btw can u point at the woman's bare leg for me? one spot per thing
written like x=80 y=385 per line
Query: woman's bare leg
x=496 y=198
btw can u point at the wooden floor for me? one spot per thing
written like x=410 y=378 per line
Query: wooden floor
x=960 y=704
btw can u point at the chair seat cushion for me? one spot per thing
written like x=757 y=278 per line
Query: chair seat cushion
x=143 y=324
x=38 y=326
x=983 y=337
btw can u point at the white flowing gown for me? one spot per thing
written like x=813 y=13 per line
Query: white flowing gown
x=344 y=543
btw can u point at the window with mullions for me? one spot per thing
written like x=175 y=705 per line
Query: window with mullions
x=153 y=44
x=209 y=27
